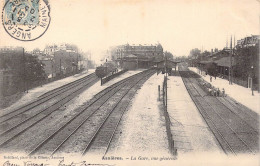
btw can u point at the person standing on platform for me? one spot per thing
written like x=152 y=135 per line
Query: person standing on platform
x=223 y=92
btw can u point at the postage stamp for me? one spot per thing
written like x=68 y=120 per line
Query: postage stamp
x=26 y=20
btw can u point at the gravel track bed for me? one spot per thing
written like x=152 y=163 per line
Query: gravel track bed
x=34 y=93
x=142 y=128
x=38 y=133
x=252 y=121
x=45 y=113
x=25 y=113
x=104 y=137
x=30 y=145
x=77 y=142
x=235 y=121
x=236 y=132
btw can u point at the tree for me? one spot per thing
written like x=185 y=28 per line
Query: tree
x=195 y=52
x=246 y=58
x=24 y=69
x=34 y=70
x=36 y=50
x=205 y=53
x=212 y=69
x=168 y=55
x=181 y=58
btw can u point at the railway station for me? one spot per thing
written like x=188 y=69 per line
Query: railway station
x=135 y=91
x=156 y=83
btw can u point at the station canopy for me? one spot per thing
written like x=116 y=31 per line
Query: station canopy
x=167 y=63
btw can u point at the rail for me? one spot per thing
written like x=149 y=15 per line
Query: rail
x=229 y=138
x=78 y=119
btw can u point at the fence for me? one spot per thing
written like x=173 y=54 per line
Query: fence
x=12 y=84
x=240 y=82
x=108 y=78
x=167 y=118
x=31 y=85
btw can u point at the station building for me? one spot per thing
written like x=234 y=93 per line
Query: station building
x=137 y=56
x=220 y=60
x=240 y=63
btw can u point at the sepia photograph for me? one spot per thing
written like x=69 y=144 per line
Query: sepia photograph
x=129 y=82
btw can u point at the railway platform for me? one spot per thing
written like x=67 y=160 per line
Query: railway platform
x=241 y=94
x=143 y=131
x=189 y=131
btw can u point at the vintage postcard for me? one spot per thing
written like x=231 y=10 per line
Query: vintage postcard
x=129 y=82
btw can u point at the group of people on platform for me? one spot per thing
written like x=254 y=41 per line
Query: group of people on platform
x=216 y=92
x=213 y=91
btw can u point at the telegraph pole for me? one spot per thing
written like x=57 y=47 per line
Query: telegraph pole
x=24 y=72
x=258 y=59
x=233 y=55
x=77 y=67
x=137 y=62
x=230 y=67
x=121 y=58
x=54 y=63
x=252 y=68
x=165 y=63
x=24 y=79
x=52 y=69
x=60 y=66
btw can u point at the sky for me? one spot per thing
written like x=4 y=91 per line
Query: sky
x=179 y=25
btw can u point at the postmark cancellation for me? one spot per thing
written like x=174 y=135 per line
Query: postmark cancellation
x=26 y=20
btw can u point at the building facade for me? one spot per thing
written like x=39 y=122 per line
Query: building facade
x=65 y=62
x=136 y=56
x=252 y=40
x=51 y=49
x=148 y=51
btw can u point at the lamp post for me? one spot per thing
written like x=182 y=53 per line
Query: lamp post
x=24 y=72
x=77 y=66
x=165 y=64
x=60 y=68
x=121 y=55
x=40 y=76
x=252 y=70
x=51 y=69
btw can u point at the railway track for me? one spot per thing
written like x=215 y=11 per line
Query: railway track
x=104 y=135
x=235 y=130
x=244 y=114
x=96 y=121
x=43 y=98
x=18 y=121
x=64 y=87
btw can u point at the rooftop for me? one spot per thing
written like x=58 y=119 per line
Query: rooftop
x=225 y=61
